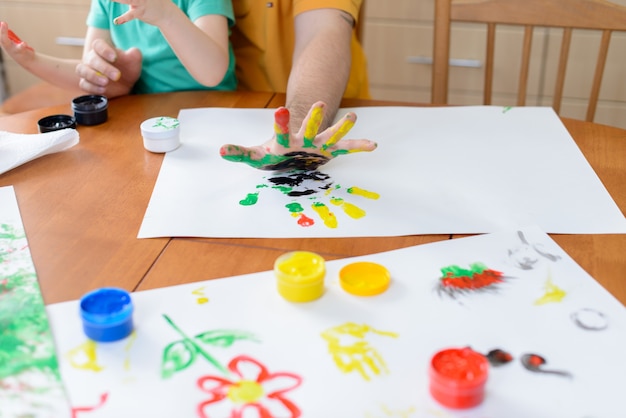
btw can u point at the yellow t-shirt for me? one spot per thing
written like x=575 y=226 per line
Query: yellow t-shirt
x=263 y=40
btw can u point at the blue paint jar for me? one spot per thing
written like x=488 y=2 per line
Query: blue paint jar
x=107 y=314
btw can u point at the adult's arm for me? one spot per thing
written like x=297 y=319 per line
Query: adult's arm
x=321 y=63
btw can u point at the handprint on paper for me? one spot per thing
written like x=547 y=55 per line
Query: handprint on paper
x=316 y=191
x=351 y=352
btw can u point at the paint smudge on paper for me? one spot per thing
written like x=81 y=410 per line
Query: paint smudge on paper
x=498 y=357
x=535 y=363
x=552 y=294
x=80 y=409
x=590 y=319
x=85 y=357
x=30 y=381
x=201 y=298
x=527 y=255
x=249 y=388
x=351 y=351
x=314 y=186
x=459 y=281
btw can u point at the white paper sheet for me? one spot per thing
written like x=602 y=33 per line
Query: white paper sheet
x=436 y=170
x=532 y=311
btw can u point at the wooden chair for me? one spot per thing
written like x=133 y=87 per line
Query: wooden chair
x=567 y=14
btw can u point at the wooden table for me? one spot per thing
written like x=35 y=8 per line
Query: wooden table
x=82 y=208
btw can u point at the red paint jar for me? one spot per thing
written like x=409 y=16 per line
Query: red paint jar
x=458 y=377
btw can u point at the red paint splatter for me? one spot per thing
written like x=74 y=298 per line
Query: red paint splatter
x=304 y=220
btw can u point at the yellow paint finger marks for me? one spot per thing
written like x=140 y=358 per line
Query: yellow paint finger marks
x=362 y=192
x=84 y=357
x=327 y=216
x=349 y=209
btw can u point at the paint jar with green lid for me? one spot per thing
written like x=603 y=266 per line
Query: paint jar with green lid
x=300 y=276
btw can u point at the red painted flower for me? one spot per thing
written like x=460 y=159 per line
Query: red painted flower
x=252 y=390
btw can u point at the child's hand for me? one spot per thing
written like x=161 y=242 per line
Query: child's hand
x=306 y=150
x=149 y=11
x=17 y=49
x=109 y=71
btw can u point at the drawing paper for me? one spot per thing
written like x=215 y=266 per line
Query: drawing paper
x=30 y=383
x=234 y=344
x=445 y=170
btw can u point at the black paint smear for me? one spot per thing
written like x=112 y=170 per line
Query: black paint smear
x=296 y=179
x=498 y=357
x=298 y=160
x=535 y=363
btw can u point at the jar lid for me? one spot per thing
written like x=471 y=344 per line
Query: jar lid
x=364 y=278
x=56 y=123
x=160 y=127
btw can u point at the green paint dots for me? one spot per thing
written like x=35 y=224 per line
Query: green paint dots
x=294 y=207
x=251 y=199
x=283 y=189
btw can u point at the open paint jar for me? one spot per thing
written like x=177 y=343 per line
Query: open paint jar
x=300 y=276
x=90 y=109
x=458 y=377
x=55 y=123
x=107 y=314
x=160 y=134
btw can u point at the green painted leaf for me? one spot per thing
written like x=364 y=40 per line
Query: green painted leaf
x=224 y=338
x=176 y=357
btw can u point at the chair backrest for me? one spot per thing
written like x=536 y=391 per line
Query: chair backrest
x=566 y=14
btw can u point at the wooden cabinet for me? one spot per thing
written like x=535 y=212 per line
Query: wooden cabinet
x=53 y=27
x=398 y=38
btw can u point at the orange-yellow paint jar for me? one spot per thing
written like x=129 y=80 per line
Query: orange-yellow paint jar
x=300 y=276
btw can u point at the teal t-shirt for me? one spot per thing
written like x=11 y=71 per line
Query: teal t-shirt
x=161 y=69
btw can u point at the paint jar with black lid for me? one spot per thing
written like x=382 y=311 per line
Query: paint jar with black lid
x=90 y=109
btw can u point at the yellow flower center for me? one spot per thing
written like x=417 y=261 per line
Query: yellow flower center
x=245 y=391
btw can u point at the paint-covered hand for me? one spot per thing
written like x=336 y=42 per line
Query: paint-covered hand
x=19 y=50
x=306 y=150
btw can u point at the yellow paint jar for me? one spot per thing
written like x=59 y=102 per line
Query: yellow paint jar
x=300 y=276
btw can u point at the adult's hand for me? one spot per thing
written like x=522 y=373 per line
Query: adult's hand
x=108 y=70
x=306 y=150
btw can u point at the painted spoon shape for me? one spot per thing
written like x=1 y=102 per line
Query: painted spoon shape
x=534 y=363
